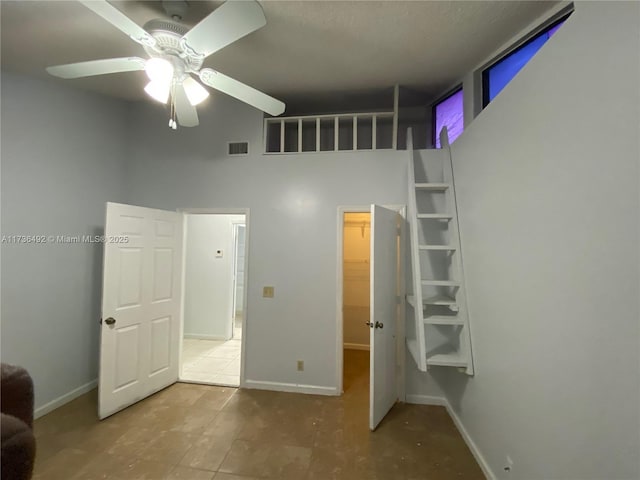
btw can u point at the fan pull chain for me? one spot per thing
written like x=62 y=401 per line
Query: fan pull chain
x=172 y=113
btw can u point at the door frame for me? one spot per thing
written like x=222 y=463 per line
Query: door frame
x=400 y=323
x=245 y=316
x=235 y=228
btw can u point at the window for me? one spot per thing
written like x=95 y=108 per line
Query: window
x=448 y=113
x=500 y=73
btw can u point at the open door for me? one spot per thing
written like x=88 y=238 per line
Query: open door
x=384 y=291
x=141 y=301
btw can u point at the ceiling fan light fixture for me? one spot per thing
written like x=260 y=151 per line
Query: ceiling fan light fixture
x=196 y=93
x=158 y=90
x=159 y=70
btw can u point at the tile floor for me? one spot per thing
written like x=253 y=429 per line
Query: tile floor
x=198 y=432
x=212 y=361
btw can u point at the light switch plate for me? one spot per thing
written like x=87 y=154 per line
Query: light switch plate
x=268 y=292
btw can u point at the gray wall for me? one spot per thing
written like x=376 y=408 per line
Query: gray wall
x=63 y=154
x=547 y=185
x=293 y=245
x=208 y=289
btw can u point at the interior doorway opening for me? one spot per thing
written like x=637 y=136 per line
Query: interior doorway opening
x=356 y=269
x=379 y=272
x=214 y=278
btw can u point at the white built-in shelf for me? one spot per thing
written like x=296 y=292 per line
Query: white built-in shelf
x=448 y=359
x=437 y=247
x=443 y=320
x=434 y=216
x=432 y=187
x=435 y=300
x=440 y=283
x=440 y=300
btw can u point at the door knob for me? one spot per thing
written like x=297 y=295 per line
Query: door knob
x=110 y=321
x=369 y=324
x=379 y=325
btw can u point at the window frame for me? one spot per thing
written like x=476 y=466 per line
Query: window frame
x=450 y=93
x=529 y=38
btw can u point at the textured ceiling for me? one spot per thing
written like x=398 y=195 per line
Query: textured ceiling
x=321 y=48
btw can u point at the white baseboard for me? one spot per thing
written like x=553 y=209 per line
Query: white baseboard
x=471 y=444
x=66 y=398
x=356 y=346
x=442 y=401
x=426 y=400
x=290 y=387
x=196 y=336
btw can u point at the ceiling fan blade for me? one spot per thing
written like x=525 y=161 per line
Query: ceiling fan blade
x=186 y=113
x=97 y=67
x=231 y=21
x=241 y=91
x=119 y=20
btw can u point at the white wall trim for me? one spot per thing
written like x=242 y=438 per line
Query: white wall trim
x=198 y=336
x=63 y=399
x=356 y=346
x=443 y=402
x=426 y=400
x=290 y=387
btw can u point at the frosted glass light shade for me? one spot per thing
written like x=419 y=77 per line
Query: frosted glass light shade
x=196 y=93
x=158 y=90
x=159 y=69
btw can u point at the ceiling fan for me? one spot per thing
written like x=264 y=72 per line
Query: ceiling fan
x=176 y=53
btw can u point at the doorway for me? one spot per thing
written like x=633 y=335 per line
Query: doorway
x=214 y=274
x=356 y=269
x=370 y=259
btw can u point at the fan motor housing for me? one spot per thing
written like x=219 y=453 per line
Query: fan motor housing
x=168 y=36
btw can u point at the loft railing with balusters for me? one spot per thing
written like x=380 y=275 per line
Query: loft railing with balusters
x=331 y=133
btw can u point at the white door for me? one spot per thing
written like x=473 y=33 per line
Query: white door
x=141 y=296
x=384 y=290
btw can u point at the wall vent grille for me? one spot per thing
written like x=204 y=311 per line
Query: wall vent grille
x=238 y=148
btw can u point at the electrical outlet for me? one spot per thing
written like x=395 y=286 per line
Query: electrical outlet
x=508 y=465
x=301 y=365
x=268 y=292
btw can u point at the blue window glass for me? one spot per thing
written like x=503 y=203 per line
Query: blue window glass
x=449 y=112
x=497 y=76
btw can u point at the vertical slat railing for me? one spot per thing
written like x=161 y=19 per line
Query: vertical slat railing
x=317 y=120
x=374 y=132
x=355 y=133
x=281 y=136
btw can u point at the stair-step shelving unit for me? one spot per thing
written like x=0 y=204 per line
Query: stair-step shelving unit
x=439 y=306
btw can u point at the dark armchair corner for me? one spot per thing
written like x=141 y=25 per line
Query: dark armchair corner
x=18 y=441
